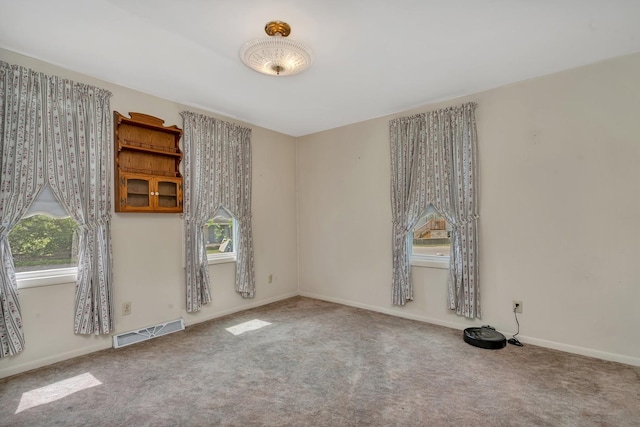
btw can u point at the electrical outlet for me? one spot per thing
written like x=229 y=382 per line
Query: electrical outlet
x=270 y=278
x=126 y=308
x=517 y=306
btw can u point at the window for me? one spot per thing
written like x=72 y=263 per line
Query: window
x=220 y=237
x=431 y=238
x=43 y=244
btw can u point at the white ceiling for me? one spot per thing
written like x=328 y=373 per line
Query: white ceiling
x=372 y=57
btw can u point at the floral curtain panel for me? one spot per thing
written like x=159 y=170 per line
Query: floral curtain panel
x=78 y=134
x=408 y=170
x=56 y=131
x=21 y=179
x=434 y=162
x=217 y=173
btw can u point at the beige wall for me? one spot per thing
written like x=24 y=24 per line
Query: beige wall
x=559 y=227
x=559 y=175
x=147 y=248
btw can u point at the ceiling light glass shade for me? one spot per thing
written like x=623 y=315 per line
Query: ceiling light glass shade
x=276 y=55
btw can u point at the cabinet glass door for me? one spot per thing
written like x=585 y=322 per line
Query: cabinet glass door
x=138 y=193
x=167 y=194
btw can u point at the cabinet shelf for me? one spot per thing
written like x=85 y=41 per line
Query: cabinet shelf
x=149 y=148
x=147 y=163
x=150 y=172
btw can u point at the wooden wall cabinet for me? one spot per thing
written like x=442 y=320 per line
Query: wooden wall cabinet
x=143 y=193
x=147 y=164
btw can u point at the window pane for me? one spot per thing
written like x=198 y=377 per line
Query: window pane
x=218 y=232
x=431 y=235
x=41 y=242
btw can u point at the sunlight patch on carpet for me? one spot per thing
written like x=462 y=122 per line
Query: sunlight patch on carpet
x=251 y=325
x=56 y=391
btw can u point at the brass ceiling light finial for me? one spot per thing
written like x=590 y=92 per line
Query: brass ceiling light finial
x=276 y=55
x=277 y=27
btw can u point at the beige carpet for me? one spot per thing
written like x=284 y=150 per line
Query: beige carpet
x=322 y=364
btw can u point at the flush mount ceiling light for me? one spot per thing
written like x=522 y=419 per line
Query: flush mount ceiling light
x=276 y=55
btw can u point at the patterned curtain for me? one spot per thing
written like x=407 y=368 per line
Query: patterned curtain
x=434 y=162
x=21 y=179
x=407 y=172
x=79 y=141
x=217 y=173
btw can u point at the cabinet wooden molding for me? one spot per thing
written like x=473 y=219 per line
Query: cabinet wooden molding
x=147 y=164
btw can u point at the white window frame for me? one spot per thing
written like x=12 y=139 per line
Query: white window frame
x=52 y=276
x=46 y=204
x=428 y=261
x=49 y=276
x=226 y=256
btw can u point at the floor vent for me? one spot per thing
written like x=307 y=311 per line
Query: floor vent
x=133 y=337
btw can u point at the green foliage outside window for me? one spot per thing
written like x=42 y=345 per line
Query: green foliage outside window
x=42 y=241
x=218 y=232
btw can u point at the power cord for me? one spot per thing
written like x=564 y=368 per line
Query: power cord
x=513 y=340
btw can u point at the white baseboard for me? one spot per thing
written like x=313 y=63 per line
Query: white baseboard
x=396 y=313
x=613 y=357
x=190 y=322
x=589 y=352
x=38 y=363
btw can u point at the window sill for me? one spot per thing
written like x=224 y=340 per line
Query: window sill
x=430 y=261
x=222 y=259
x=55 y=276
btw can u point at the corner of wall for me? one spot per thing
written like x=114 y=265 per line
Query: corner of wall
x=297 y=200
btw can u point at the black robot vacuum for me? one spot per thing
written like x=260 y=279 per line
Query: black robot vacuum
x=485 y=337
